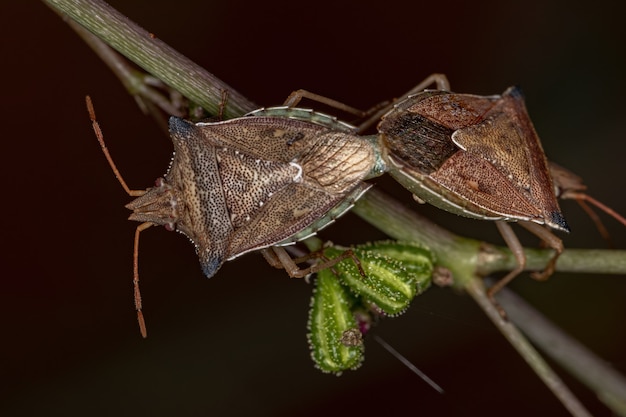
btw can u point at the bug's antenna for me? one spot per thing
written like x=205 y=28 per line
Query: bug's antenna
x=132 y=193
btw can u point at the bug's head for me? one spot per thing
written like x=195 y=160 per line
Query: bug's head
x=160 y=205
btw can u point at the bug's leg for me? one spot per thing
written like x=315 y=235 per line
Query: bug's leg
x=154 y=92
x=439 y=80
x=136 y=292
x=224 y=99
x=297 y=96
x=595 y=219
x=329 y=263
x=198 y=113
x=517 y=249
x=582 y=199
x=270 y=256
x=552 y=241
x=278 y=257
x=374 y=114
x=368 y=115
x=569 y=186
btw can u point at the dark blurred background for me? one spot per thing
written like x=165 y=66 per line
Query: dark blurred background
x=235 y=344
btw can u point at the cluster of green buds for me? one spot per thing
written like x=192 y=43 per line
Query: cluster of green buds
x=381 y=279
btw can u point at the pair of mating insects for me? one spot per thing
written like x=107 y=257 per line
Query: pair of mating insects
x=278 y=175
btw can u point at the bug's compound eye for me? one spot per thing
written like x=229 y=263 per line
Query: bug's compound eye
x=159 y=182
x=170 y=227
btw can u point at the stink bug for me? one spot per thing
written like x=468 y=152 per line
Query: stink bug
x=479 y=157
x=250 y=183
x=476 y=156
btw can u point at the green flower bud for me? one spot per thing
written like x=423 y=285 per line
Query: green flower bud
x=333 y=337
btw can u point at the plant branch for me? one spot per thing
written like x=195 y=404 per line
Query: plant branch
x=565 y=350
x=134 y=80
x=476 y=289
x=462 y=255
x=153 y=55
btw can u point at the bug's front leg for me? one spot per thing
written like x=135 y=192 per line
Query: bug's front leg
x=278 y=257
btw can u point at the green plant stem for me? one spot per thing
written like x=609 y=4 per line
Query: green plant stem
x=133 y=79
x=562 y=348
x=597 y=261
x=153 y=55
x=476 y=289
x=465 y=258
x=462 y=255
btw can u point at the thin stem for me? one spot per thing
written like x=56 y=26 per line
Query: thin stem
x=153 y=55
x=565 y=350
x=476 y=289
x=584 y=261
x=463 y=254
x=133 y=79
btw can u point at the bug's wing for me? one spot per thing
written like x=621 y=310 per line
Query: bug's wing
x=506 y=138
x=281 y=176
x=479 y=183
x=336 y=162
x=451 y=110
x=294 y=210
x=331 y=167
x=264 y=138
x=201 y=209
x=416 y=141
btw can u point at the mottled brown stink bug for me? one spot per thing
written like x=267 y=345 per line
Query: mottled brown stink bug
x=251 y=183
x=479 y=157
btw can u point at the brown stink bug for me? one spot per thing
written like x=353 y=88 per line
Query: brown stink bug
x=479 y=157
x=252 y=183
